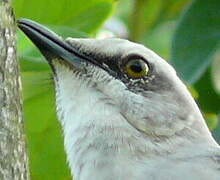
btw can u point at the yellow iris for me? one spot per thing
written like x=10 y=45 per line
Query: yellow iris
x=136 y=68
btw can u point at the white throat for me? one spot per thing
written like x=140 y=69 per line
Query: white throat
x=93 y=129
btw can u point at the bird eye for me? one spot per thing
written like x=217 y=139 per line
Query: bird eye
x=136 y=68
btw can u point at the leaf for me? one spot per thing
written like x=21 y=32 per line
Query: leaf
x=211 y=120
x=196 y=39
x=216 y=72
x=216 y=132
x=159 y=40
x=172 y=8
x=83 y=15
x=209 y=100
x=45 y=143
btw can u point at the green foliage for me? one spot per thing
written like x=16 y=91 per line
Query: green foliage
x=212 y=120
x=151 y=22
x=82 y=15
x=196 y=39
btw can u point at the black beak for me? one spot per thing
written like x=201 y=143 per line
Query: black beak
x=50 y=44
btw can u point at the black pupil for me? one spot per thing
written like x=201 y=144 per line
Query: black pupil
x=136 y=66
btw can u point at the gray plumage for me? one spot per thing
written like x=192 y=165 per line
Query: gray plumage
x=122 y=127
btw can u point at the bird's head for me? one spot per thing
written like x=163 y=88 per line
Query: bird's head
x=139 y=84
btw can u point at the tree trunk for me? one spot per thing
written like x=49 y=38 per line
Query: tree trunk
x=13 y=158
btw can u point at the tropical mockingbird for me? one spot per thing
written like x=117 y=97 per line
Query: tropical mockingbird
x=124 y=112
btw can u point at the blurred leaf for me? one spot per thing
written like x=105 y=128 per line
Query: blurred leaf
x=143 y=17
x=159 y=39
x=151 y=12
x=45 y=143
x=30 y=64
x=169 y=10
x=196 y=39
x=39 y=107
x=193 y=92
x=82 y=15
x=35 y=83
x=123 y=10
x=66 y=31
x=148 y=14
x=209 y=100
x=47 y=158
x=172 y=8
x=216 y=132
x=211 y=120
x=216 y=72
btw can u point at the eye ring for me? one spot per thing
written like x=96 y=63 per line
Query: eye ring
x=136 y=68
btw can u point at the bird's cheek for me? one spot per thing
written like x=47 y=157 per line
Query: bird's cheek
x=160 y=124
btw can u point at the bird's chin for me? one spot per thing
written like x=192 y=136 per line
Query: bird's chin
x=57 y=63
x=68 y=72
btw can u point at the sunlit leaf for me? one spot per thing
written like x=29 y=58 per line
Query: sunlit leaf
x=84 y=15
x=216 y=131
x=211 y=120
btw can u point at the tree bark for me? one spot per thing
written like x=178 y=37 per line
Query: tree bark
x=13 y=158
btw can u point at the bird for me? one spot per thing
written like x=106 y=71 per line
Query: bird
x=124 y=112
